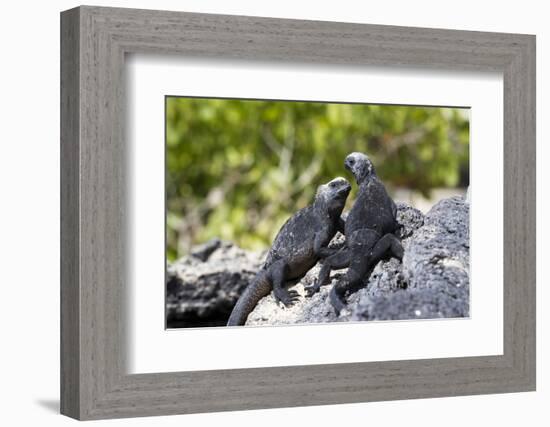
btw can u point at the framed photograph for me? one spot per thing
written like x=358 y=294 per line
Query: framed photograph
x=262 y=213
x=246 y=176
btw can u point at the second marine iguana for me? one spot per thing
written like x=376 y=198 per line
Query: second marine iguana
x=300 y=243
x=369 y=230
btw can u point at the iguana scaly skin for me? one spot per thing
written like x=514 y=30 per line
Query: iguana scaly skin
x=369 y=230
x=300 y=243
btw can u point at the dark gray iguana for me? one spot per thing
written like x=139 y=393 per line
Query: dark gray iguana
x=369 y=229
x=300 y=243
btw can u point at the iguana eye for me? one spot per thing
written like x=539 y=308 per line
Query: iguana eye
x=332 y=185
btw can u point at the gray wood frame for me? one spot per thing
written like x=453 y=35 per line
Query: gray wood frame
x=94 y=41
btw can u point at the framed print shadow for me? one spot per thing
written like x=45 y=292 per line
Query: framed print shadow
x=289 y=189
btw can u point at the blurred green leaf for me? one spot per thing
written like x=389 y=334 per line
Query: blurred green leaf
x=236 y=169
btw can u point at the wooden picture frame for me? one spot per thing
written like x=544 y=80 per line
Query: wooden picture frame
x=94 y=41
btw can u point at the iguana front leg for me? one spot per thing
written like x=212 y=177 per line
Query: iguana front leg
x=362 y=263
x=320 y=244
x=278 y=276
x=337 y=261
x=359 y=266
x=325 y=251
x=388 y=245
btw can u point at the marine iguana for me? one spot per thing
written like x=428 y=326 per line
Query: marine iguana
x=300 y=243
x=369 y=229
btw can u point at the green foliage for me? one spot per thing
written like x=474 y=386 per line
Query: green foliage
x=236 y=169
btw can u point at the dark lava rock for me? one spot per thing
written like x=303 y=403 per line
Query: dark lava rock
x=439 y=253
x=410 y=219
x=435 y=270
x=431 y=282
x=202 y=288
x=408 y=304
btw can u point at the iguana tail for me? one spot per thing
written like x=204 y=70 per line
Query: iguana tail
x=254 y=292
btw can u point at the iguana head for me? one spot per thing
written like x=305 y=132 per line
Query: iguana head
x=360 y=166
x=333 y=195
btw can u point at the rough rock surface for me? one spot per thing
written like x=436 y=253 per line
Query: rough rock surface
x=431 y=282
x=202 y=288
